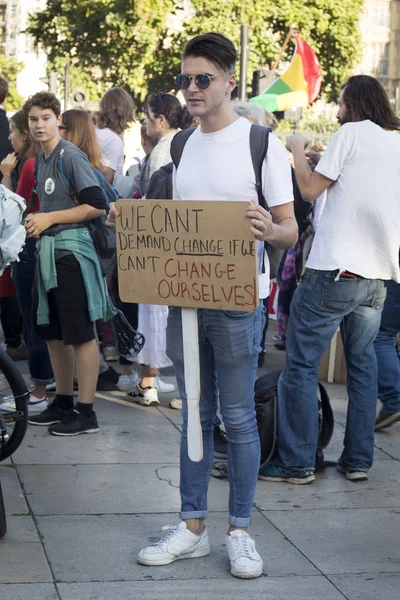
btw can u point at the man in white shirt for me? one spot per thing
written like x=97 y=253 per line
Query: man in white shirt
x=216 y=165
x=356 y=248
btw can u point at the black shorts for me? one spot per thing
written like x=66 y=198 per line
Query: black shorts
x=68 y=306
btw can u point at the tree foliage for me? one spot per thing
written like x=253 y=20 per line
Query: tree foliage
x=135 y=44
x=10 y=69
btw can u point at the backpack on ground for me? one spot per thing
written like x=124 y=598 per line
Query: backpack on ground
x=104 y=238
x=266 y=404
x=259 y=141
x=12 y=231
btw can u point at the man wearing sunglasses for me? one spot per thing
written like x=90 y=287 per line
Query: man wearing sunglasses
x=216 y=165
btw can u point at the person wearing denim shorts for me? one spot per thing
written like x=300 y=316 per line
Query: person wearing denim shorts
x=355 y=251
x=216 y=165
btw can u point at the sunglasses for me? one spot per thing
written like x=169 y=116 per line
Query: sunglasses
x=203 y=80
x=62 y=127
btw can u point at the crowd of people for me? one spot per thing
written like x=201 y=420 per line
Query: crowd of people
x=61 y=164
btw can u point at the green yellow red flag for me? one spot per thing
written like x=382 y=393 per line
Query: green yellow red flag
x=298 y=86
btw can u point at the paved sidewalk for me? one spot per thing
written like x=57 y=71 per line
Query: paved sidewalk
x=79 y=510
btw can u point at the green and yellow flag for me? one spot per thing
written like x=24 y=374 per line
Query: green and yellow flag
x=298 y=86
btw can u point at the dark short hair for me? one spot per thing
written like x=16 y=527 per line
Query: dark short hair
x=166 y=104
x=214 y=47
x=366 y=99
x=3 y=88
x=43 y=100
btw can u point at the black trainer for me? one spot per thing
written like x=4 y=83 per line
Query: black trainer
x=220 y=443
x=107 y=381
x=74 y=424
x=48 y=416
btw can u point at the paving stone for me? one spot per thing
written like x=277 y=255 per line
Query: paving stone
x=104 y=548
x=333 y=490
x=265 y=588
x=127 y=434
x=100 y=489
x=23 y=563
x=388 y=441
x=20 y=530
x=371 y=586
x=29 y=591
x=335 y=447
x=12 y=492
x=344 y=541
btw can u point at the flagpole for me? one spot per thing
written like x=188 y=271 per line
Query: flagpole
x=293 y=31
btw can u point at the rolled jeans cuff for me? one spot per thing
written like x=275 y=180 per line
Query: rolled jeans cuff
x=41 y=381
x=194 y=514
x=239 y=521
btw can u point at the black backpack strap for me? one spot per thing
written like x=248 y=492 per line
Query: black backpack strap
x=178 y=144
x=259 y=140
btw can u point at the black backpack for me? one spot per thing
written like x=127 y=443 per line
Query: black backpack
x=259 y=140
x=266 y=399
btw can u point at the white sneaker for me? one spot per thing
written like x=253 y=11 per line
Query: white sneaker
x=245 y=560
x=35 y=404
x=110 y=354
x=176 y=403
x=162 y=386
x=51 y=387
x=126 y=383
x=178 y=544
x=145 y=396
x=353 y=475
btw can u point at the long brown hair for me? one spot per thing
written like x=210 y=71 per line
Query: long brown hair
x=30 y=149
x=366 y=99
x=80 y=131
x=117 y=110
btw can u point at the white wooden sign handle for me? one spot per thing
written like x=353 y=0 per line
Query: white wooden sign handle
x=191 y=359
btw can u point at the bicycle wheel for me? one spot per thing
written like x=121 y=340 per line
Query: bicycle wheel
x=3 y=522
x=13 y=421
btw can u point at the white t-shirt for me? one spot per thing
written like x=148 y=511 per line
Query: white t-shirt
x=218 y=166
x=359 y=228
x=112 y=149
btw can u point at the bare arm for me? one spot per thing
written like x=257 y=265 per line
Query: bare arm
x=311 y=183
x=36 y=223
x=109 y=174
x=279 y=228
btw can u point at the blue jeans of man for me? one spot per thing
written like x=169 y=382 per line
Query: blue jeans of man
x=321 y=304
x=386 y=351
x=23 y=274
x=229 y=344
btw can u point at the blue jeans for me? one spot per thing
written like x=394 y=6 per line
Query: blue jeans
x=23 y=274
x=229 y=343
x=386 y=351
x=320 y=305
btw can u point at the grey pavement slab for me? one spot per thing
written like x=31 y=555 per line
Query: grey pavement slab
x=128 y=434
x=29 y=591
x=104 y=548
x=388 y=441
x=12 y=492
x=370 y=586
x=98 y=489
x=333 y=490
x=20 y=530
x=334 y=450
x=23 y=563
x=264 y=588
x=114 y=489
x=344 y=541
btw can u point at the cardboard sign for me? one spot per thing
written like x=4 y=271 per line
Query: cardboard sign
x=191 y=254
